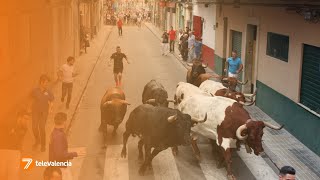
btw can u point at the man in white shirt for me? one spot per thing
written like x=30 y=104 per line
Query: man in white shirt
x=191 y=41
x=66 y=74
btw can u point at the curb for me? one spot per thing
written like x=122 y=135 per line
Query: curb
x=87 y=82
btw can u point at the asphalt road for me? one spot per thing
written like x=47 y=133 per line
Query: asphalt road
x=143 y=50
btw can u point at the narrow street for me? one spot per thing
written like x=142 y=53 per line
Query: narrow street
x=264 y=112
x=143 y=51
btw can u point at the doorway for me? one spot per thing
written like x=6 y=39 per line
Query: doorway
x=249 y=65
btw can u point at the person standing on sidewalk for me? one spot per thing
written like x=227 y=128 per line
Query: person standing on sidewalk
x=12 y=134
x=66 y=74
x=42 y=105
x=117 y=58
x=191 y=41
x=184 y=47
x=119 y=23
x=198 y=48
x=165 y=43
x=58 y=146
x=287 y=173
x=172 y=37
x=139 y=21
x=180 y=41
x=234 y=65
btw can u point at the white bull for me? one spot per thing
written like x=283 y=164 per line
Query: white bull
x=210 y=86
x=215 y=108
x=186 y=90
x=228 y=123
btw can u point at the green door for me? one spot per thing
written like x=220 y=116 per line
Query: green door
x=236 y=42
x=310 y=79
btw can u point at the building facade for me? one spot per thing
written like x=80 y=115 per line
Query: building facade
x=204 y=22
x=36 y=38
x=280 y=50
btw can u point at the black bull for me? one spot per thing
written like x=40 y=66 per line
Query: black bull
x=158 y=128
x=113 y=108
x=197 y=69
x=155 y=94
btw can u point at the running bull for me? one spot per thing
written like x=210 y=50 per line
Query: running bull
x=197 y=74
x=158 y=128
x=228 y=123
x=155 y=94
x=113 y=108
x=186 y=90
x=217 y=89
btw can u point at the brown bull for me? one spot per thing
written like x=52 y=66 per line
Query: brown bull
x=238 y=96
x=248 y=131
x=113 y=108
x=197 y=74
x=231 y=82
x=228 y=123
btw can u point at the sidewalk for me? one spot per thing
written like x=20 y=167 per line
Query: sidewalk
x=281 y=147
x=158 y=34
x=84 y=65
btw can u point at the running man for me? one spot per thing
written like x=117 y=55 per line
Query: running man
x=118 y=65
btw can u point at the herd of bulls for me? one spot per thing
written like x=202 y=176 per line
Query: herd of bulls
x=201 y=107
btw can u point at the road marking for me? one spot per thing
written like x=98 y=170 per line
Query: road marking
x=116 y=168
x=77 y=162
x=257 y=165
x=208 y=164
x=164 y=166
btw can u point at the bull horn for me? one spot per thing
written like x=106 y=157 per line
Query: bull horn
x=172 y=118
x=125 y=102
x=273 y=126
x=248 y=104
x=106 y=103
x=196 y=120
x=149 y=101
x=255 y=93
x=171 y=100
x=190 y=64
x=212 y=94
x=243 y=83
x=205 y=66
x=239 y=130
x=224 y=78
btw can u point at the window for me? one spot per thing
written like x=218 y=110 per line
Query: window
x=278 y=46
x=310 y=79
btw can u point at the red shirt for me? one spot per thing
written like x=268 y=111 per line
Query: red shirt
x=119 y=23
x=172 y=34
